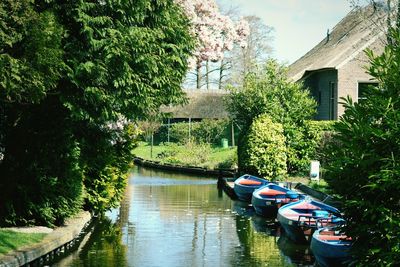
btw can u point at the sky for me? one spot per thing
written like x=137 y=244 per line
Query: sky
x=298 y=25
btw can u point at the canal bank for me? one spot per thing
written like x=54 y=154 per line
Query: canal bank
x=55 y=243
x=185 y=169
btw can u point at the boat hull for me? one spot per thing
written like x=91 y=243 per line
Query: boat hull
x=269 y=198
x=330 y=253
x=263 y=207
x=293 y=230
x=244 y=192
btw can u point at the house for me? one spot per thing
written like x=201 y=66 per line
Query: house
x=335 y=68
x=202 y=104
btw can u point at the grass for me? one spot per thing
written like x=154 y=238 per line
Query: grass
x=10 y=240
x=321 y=185
x=202 y=155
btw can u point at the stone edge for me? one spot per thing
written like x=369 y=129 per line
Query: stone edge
x=59 y=237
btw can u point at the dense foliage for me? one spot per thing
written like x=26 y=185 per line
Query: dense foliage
x=364 y=168
x=264 y=149
x=72 y=73
x=317 y=135
x=270 y=92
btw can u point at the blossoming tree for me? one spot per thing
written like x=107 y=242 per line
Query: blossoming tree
x=215 y=33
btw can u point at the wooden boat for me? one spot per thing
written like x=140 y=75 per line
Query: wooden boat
x=331 y=248
x=299 y=219
x=246 y=184
x=267 y=199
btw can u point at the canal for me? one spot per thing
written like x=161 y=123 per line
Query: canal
x=168 y=219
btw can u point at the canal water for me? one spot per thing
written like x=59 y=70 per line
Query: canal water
x=168 y=219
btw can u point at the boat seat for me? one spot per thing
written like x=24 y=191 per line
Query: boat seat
x=249 y=182
x=271 y=192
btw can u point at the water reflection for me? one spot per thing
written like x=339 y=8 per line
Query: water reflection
x=179 y=220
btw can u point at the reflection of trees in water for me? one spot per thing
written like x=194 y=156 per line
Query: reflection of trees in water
x=262 y=242
x=257 y=248
x=104 y=247
x=101 y=246
x=147 y=172
x=295 y=253
x=187 y=198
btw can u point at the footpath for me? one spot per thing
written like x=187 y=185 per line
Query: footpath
x=54 y=243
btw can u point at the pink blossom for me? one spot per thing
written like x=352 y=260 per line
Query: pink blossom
x=215 y=33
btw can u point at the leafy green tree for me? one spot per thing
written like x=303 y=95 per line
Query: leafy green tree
x=75 y=75
x=364 y=168
x=270 y=92
x=264 y=149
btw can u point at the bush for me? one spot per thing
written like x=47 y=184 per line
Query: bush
x=229 y=163
x=179 y=133
x=287 y=103
x=264 y=150
x=190 y=154
x=206 y=131
x=364 y=168
x=210 y=131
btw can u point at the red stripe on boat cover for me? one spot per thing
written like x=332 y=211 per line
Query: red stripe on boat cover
x=305 y=206
x=271 y=192
x=249 y=182
x=334 y=238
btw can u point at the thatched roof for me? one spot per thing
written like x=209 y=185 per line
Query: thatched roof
x=350 y=37
x=202 y=104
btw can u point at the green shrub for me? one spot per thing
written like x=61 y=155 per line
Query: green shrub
x=271 y=92
x=364 y=164
x=264 y=151
x=190 y=154
x=179 y=133
x=229 y=163
x=210 y=131
x=206 y=131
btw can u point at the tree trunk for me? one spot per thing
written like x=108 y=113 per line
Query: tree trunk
x=389 y=22
x=198 y=75
x=221 y=73
x=207 y=73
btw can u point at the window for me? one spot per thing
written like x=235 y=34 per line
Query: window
x=362 y=89
x=332 y=87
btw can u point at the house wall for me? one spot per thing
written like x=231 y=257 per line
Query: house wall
x=354 y=72
x=319 y=85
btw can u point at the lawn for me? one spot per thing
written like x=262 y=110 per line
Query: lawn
x=202 y=155
x=10 y=240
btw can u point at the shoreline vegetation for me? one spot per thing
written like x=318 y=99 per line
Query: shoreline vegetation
x=190 y=154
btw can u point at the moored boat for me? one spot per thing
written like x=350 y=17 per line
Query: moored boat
x=331 y=248
x=267 y=199
x=245 y=185
x=299 y=219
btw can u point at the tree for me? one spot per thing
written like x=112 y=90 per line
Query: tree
x=364 y=163
x=270 y=92
x=247 y=59
x=385 y=14
x=214 y=32
x=72 y=74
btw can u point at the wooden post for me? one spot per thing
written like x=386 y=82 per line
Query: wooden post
x=233 y=134
x=169 y=123
x=190 y=120
x=151 y=147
